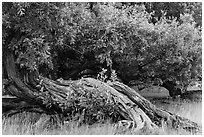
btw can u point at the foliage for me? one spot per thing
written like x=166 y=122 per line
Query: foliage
x=174 y=10
x=102 y=75
x=27 y=26
x=121 y=37
x=168 y=51
x=91 y=106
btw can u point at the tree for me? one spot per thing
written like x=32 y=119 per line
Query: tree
x=45 y=41
x=174 y=10
x=171 y=52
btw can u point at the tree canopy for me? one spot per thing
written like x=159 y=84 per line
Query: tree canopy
x=68 y=39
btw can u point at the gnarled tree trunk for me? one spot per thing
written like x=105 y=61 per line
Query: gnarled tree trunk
x=42 y=95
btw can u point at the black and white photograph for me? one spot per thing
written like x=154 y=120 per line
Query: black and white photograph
x=101 y=68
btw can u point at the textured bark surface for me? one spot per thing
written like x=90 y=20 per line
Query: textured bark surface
x=42 y=95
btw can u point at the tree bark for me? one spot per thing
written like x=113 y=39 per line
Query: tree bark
x=43 y=95
x=156 y=115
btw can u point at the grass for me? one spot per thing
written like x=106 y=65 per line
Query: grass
x=185 y=108
x=23 y=124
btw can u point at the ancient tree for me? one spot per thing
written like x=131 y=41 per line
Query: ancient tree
x=63 y=59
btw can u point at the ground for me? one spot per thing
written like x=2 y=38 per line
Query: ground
x=23 y=123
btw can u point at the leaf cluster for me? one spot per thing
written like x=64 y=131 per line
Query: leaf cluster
x=90 y=105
